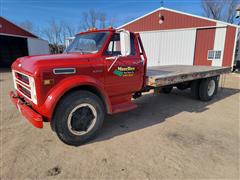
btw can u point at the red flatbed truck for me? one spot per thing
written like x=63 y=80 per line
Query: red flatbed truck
x=99 y=73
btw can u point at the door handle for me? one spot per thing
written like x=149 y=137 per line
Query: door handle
x=136 y=63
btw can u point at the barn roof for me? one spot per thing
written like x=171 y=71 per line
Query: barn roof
x=178 y=12
x=9 y=28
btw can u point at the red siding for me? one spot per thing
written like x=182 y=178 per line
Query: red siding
x=204 y=42
x=10 y=28
x=172 y=20
x=229 y=46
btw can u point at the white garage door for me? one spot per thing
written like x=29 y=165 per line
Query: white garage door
x=169 y=47
x=37 y=46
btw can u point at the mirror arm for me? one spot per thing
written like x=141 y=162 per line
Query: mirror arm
x=116 y=58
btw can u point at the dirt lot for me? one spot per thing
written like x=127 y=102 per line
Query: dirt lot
x=168 y=136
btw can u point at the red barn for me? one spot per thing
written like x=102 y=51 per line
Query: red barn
x=17 y=42
x=174 y=37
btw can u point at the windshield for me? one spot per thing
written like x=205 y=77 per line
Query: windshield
x=89 y=43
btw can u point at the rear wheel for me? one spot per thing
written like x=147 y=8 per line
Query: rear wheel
x=195 y=89
x=167 y=89
x=78 y=117
x=208 y=88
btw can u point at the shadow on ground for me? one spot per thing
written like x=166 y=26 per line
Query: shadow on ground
x=154 y=109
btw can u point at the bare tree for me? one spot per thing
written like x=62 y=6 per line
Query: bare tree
x=93 y=19
x=56 y=32
x=231 y=12
x=220 y=9
x=28 y=25
x=102 y=19
x=69 y=29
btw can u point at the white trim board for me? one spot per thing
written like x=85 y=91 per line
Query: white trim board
x=13 y=35
x=235 y=46
x=219 y=45
x=179 y=12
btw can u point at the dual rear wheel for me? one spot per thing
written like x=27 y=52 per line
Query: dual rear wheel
x=203 y=89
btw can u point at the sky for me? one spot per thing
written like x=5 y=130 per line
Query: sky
x=40 y=12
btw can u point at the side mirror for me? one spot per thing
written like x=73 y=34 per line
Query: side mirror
x=125 y=43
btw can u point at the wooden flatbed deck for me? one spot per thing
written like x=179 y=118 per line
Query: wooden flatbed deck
x=168 y=75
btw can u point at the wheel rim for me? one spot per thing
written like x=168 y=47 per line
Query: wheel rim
x=82 y=119
x=211 y=87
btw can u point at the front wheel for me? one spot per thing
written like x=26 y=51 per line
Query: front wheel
x=78 y=117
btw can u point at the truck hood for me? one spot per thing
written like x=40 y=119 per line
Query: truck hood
x=32 y=64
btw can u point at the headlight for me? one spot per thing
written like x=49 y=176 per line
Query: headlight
x=33 y=90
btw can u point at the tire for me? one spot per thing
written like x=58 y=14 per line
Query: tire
x=78 y=117
x=208 y=88
x=167 y=89
x=182 y=86
x=195 y=89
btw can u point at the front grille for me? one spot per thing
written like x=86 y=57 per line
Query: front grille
x=22 y=84
x=22 y=77
x=24 y=91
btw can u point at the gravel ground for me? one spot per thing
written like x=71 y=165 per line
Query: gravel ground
x=167 y=137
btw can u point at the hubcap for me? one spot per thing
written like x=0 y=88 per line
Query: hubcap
x=82 y=119
x=211 y=87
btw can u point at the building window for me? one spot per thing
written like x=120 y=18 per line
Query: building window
x=210 y=55
x=214 y=54
x=218 y=54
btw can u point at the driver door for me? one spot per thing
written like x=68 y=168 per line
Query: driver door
x=124 y=74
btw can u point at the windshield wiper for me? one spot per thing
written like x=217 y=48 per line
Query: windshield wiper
x=80 y=50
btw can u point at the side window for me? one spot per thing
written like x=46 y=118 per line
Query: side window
x=133 y=49
x=114 y=47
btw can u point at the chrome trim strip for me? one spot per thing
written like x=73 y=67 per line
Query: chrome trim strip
x=64 y=70
x=24 y=95
x=22 y=83
x=24 y=86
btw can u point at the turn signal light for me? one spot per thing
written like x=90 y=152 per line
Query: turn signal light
x=47 y=82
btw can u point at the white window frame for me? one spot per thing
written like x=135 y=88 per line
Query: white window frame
x=214 y=55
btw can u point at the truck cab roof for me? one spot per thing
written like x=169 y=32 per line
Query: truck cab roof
x=92 y=30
